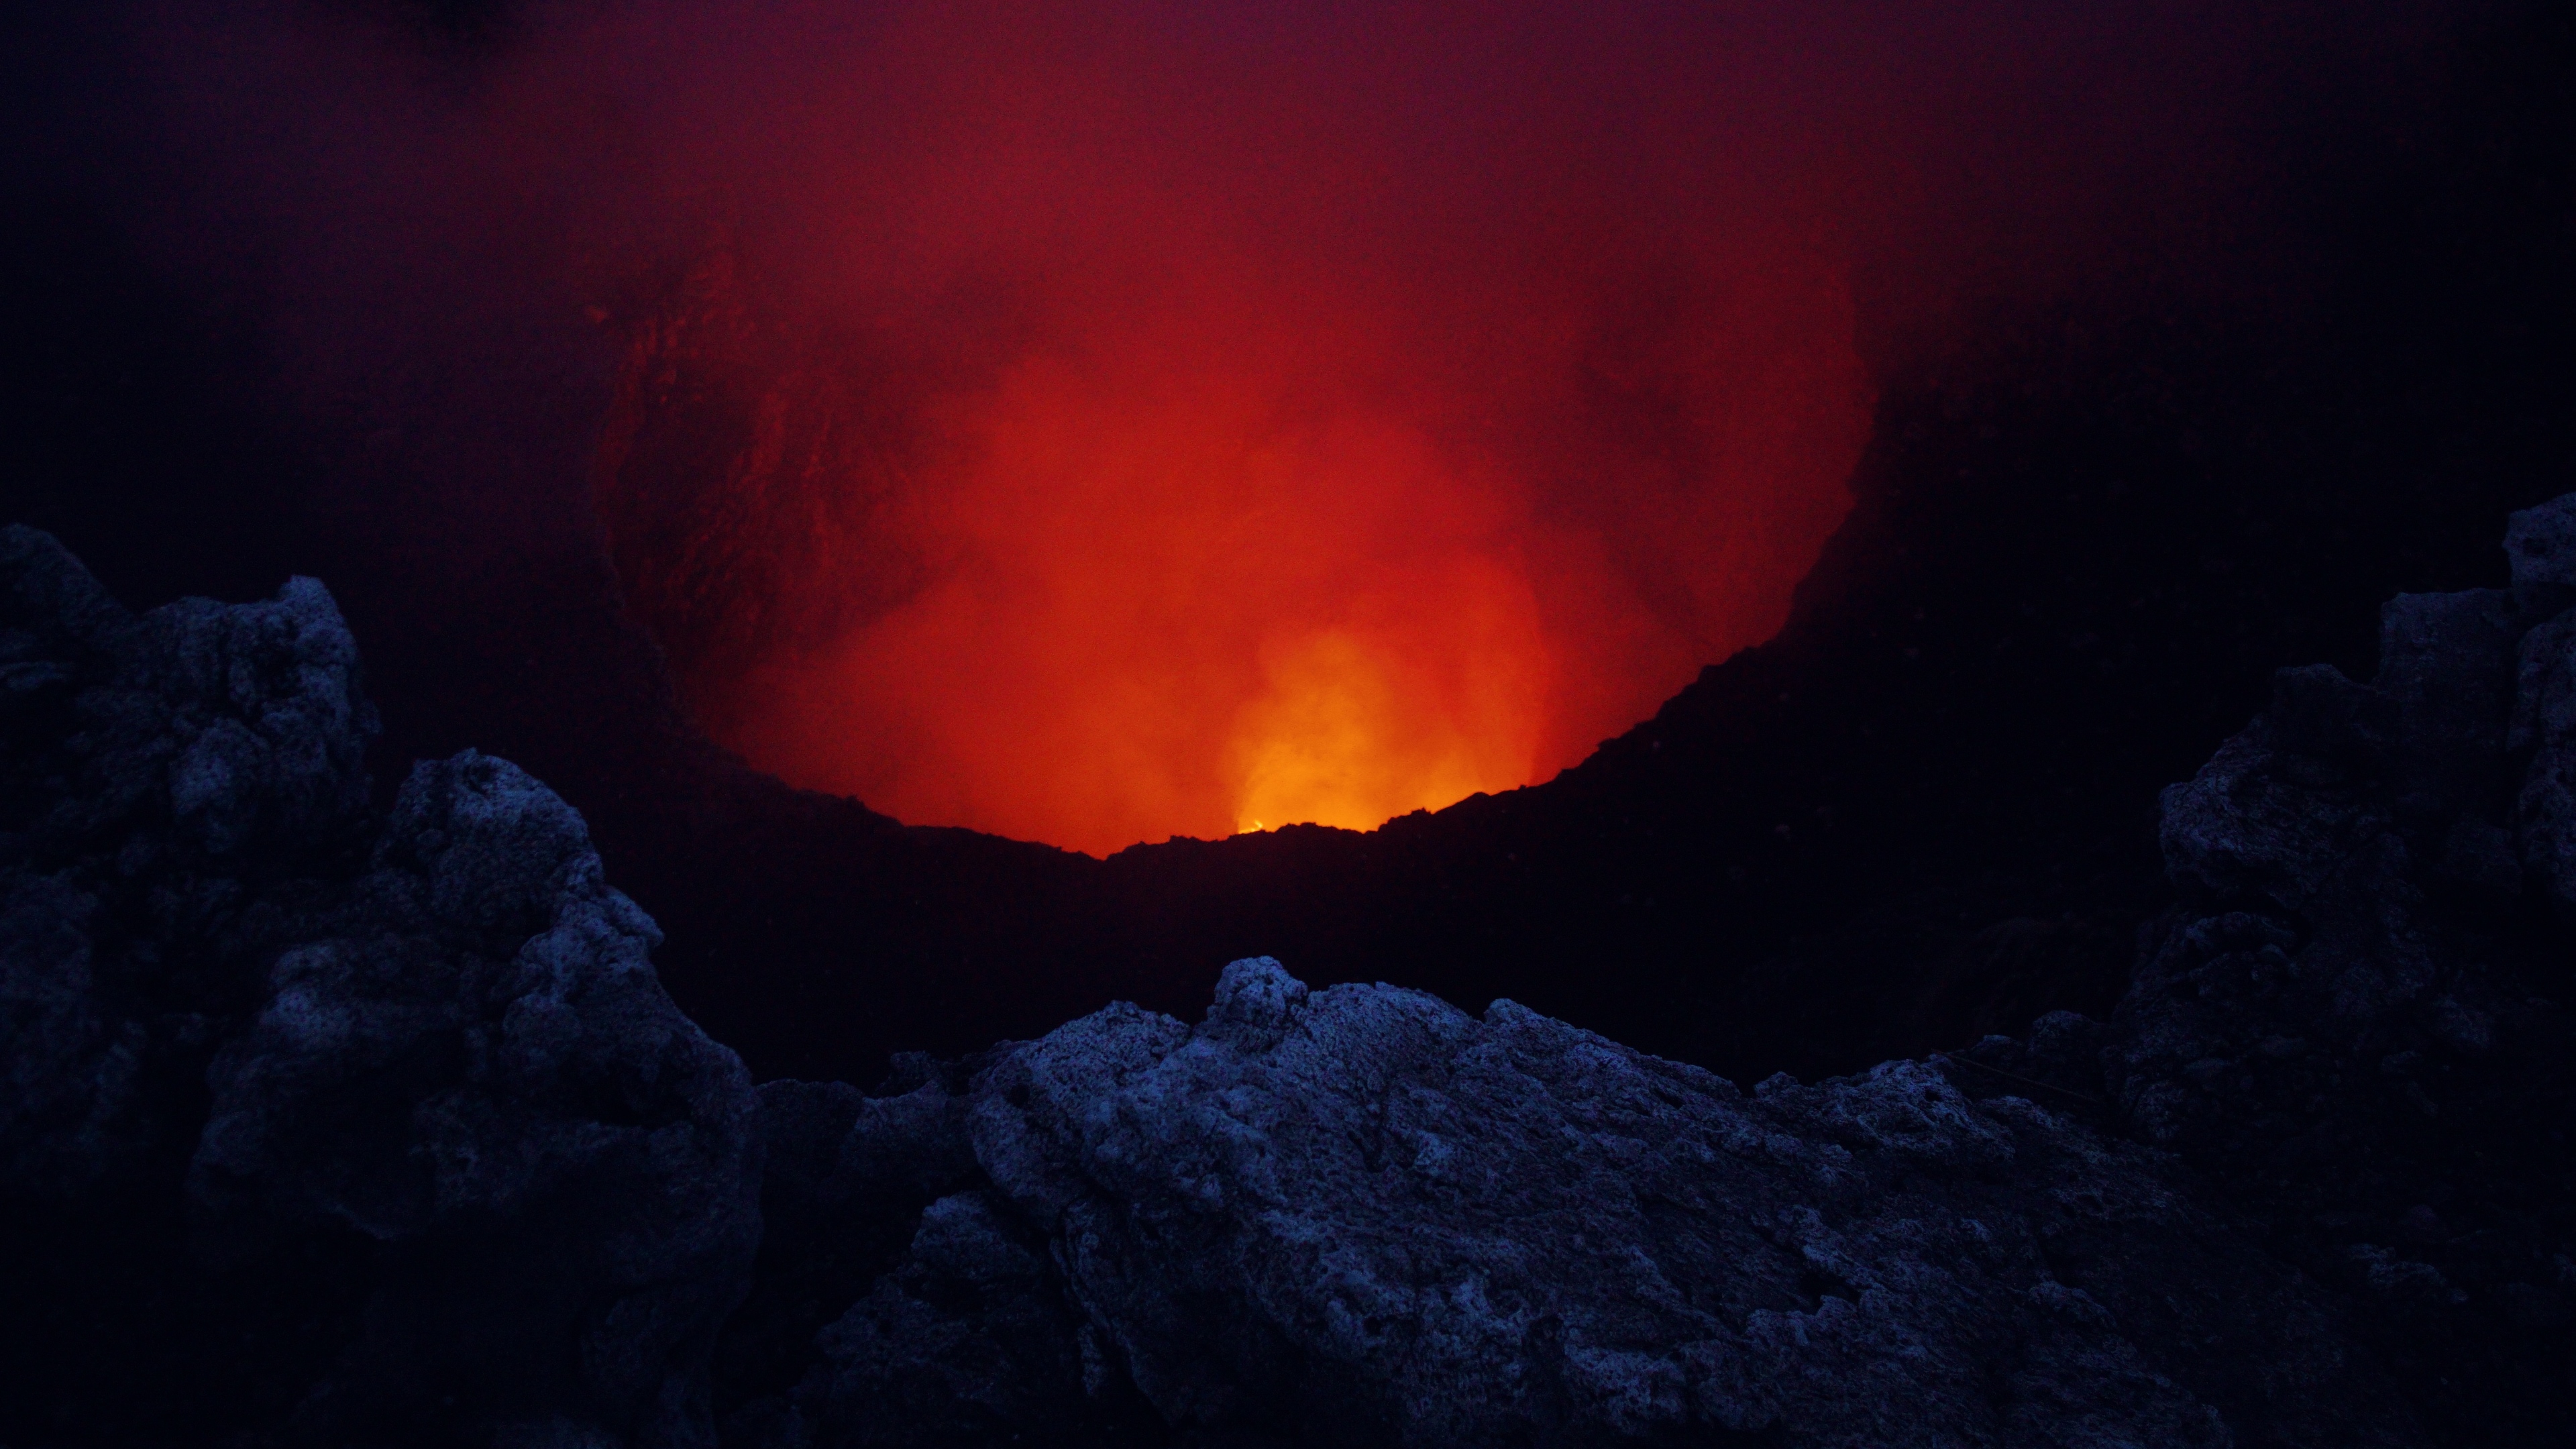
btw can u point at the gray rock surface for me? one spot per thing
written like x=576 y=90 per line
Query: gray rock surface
x=570 y=1163
x=1361 y=1216
x=373 y=1129
x=2540 y=548
x=2307 y=1187
x=170 y=778
x=325 y=1124
x=2352 y=1022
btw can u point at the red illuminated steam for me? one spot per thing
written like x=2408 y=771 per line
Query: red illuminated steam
x=1208 y=437
x=1098 y=421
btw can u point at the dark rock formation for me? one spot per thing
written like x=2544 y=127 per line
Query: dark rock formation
x=1361 y=1216
x=329 y=1124
x=2308 y=1186
x=320 y=1125
x=2354 y=1018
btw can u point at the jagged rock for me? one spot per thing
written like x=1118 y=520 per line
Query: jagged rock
x=2540 y=548
x=570 y=1162
x=848 y=1178
x=2346 y=1017
x=970 y=1340
x=1362 y=1216
x=407 y=1084
x=168 y=780
x=2446 y=666
x=2544 y=723
x=339 y=1127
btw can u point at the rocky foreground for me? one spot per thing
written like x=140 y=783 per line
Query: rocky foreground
x=330 y=1119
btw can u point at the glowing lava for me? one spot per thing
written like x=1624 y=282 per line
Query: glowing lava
x=1109 y=450
x=1093 y=420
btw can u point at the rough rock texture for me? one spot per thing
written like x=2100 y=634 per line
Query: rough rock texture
x=322 y=1125
x=2310 y=1186
x=2354 y=1020
x=329 y=1125
x=1361 y=1216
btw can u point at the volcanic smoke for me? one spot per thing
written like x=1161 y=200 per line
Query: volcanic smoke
x=1098 y=422
x=1173 y=433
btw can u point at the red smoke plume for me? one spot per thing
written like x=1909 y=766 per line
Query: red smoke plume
x=1185 y=428
x=1097 y=421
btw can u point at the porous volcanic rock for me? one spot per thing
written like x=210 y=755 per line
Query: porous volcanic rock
x=2310 y=1185
x=325 y=1125
x=2353 y=1021
x=1362 y=1216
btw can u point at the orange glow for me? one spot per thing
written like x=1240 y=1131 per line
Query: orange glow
x=1091 y=420
x=1355 y=725
x=1123 y=449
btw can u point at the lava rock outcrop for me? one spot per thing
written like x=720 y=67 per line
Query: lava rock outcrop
x=1362 y=1216
x=325 y=1125
x=331 y=1120
x=2308 y=1185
